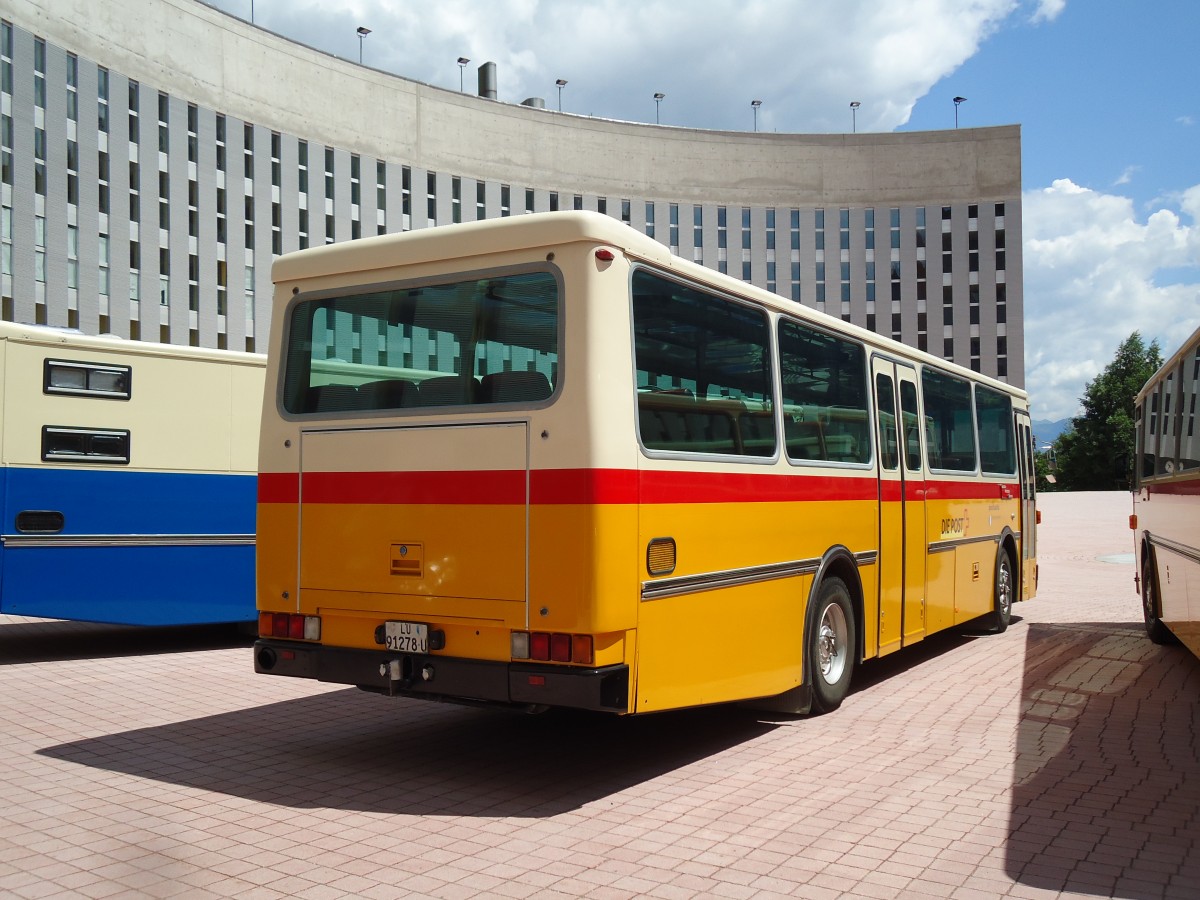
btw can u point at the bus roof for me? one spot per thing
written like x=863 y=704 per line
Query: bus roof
x=549 y=229
x=69 y=337
x=1175 y=359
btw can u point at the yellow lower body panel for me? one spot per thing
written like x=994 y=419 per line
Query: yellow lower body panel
x=716 y=646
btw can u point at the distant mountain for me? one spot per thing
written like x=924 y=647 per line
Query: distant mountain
x=1048 y=432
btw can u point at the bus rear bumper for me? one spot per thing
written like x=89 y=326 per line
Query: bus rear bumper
x=604 y=689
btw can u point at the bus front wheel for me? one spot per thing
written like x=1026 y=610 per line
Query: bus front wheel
x=1003 y=602
x=831 y=646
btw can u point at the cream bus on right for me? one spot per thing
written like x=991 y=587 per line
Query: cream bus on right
x=1166 y=499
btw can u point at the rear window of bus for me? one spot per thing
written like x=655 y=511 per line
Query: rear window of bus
x=483 y=340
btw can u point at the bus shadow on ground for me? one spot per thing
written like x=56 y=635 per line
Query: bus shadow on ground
x=876 y=671
x=354 y=751
x=48 y=640
x=1106 y=781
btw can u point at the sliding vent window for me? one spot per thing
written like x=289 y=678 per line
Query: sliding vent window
x=703 y=371
x=462 y=343
x=84 y=379
x=825 y=414
x=85 y=445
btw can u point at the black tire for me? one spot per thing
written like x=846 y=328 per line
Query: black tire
x=831 y=645
x=1002 y=603
x=1158 y=632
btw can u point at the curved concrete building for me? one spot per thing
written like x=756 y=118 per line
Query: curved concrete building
x=158 y=154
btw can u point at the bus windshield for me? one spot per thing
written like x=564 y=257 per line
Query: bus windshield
x=492 y=339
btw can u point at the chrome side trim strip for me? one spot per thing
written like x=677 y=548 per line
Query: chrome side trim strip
x=710 y=581
x=942 y=546
x=1182 y=549
x=127 y=540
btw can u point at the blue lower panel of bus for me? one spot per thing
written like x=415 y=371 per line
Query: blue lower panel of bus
x=134 y=548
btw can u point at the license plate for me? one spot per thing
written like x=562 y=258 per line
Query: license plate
x=406 y=637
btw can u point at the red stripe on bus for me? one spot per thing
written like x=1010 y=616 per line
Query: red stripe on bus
x=278 y=487
x=972 y=490
x=604 y=487
x=491 y=488
x=724 y=487
x=598 y=486
x=1187 y=488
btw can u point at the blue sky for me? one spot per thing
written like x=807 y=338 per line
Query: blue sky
x=1104 y=91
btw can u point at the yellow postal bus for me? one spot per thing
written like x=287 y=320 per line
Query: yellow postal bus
x=539 y=461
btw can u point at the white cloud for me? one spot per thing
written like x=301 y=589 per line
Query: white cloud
x=1090 y=263
x=1094 y=274
x=1048 y=10
x=1127 y=176
x=710 y=57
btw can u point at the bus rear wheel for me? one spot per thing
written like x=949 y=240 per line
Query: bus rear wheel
x=831 y=646
x=1156 y=630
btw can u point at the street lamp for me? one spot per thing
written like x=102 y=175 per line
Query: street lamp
x=658 y=98
x=957 y=100
x=854 y=105
x=756 y=104
x=362 y=33
x=462 y=62
x=560 y=84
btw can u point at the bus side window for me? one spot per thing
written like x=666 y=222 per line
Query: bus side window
x=825 y=387
x=703 y=367
x=948 y=404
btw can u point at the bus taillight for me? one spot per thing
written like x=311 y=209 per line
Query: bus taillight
x=560 y=647
x=288 y=625
x=544 y=646
x=581 y=649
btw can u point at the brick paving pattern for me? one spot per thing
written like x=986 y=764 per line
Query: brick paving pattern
x=1057 y=759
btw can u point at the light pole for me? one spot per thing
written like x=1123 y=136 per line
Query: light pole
x=658 y=98
x=362 y=33
x=957 y=100
x=462 y=62
x=854 y=105
x=756 y=104
x=560 y=84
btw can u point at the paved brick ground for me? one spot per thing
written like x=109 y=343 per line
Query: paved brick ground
x=1058 y=759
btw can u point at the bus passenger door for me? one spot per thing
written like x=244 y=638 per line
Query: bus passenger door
x=891 y=507
x=911 y=436
x=901 y=505
x=1028 y=524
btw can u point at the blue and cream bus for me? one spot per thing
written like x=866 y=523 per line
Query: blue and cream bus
x=127 y=479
